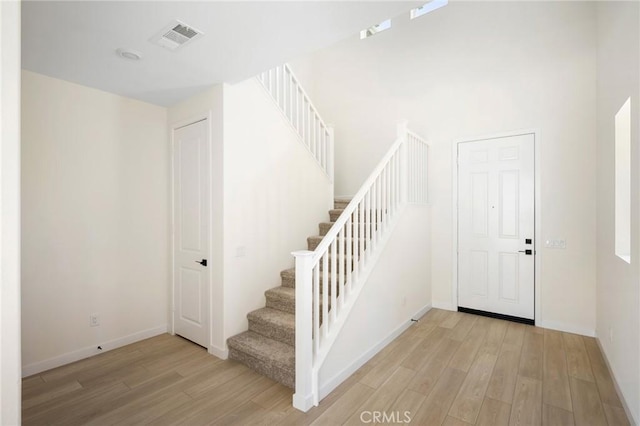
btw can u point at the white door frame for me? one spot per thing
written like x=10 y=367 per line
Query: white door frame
x=175 y=126
x=538 y=216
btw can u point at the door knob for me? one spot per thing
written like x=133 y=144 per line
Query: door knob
x=203 y=262
x=527 y=252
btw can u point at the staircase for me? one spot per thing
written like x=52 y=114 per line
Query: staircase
x=268 y=347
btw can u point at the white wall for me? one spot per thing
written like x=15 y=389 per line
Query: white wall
x=474 y=69
x=209 y=103
x=398 y=288
x=10 y=365
x=618 y=283
x=275 y=194
x=95 y=203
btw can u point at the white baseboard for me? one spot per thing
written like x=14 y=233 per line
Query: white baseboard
x=335 y=381
x=218 y=352
x=615 y=384
x=567 y=328
x=86 y=352
x=447 y=306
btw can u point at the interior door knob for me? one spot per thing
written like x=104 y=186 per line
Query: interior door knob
x=527 y=252
x=203 y=262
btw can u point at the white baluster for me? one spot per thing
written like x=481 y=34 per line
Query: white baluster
x=350 y=244
x=325 y=294
x=316 y=308
x=334 y=276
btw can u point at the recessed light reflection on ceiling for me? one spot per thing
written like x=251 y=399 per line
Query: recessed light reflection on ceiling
x=131 y=55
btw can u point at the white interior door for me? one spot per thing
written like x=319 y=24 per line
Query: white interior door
x=191 y=204
x=496 y=226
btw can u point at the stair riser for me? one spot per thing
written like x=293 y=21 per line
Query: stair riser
x=285 y=377
x=274 y=332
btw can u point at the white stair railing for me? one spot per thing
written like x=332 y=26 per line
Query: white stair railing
x=294 y=103
x=329 y=279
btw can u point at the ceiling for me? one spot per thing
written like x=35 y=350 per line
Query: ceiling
x=77 y=40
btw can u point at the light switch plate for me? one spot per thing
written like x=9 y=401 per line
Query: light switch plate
x=555 y=244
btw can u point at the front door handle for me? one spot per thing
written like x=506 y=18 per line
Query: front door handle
x=527 y=252
x=203 y=262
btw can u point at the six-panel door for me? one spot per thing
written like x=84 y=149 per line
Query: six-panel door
x=496 y=225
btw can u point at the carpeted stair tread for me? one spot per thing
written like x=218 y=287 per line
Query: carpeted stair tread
x=341 y=203
x=334 y=214
x=289 y=277
x=324 y=227
x=268 y=346
x=264 y=349
x=281 y=298
x=268 y=357
x=274 y=324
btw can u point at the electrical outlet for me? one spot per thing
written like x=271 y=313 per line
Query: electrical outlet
x=241 y=251
x=94 y=320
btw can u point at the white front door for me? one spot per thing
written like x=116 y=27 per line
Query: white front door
x=191 y=195
x=496 y=245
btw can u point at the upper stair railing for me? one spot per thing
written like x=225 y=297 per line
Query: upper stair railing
x=329 y=279
x=296 y=106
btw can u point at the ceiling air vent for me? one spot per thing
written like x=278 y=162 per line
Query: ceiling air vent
x=176 y=35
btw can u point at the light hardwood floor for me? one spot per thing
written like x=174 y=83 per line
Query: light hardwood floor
x=448 y=369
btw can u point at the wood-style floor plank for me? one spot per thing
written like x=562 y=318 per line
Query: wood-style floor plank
x=555 y=384
x=494 y=413
x=461 y=330
x=606 y=388
x=449 y=368
x=346 y=406
x=554 y=416
x=465 y=355
x=382 y=399
x=526 y=409
x=435 y=408
x=467 y=404
x=587 y=407
x=408 y=403
x=426 y=378
x=615 y=415
x=531 y=357
x=505 y=373
x=578 y=363
x=494 y=338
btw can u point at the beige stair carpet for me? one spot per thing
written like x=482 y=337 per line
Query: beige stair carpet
x=268 y=347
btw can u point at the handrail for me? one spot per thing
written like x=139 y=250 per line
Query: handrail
x=294 y=103
x=346 y=256
x=342 y=219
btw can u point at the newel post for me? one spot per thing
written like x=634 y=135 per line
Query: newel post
x=303 y=398
x=402 y=130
